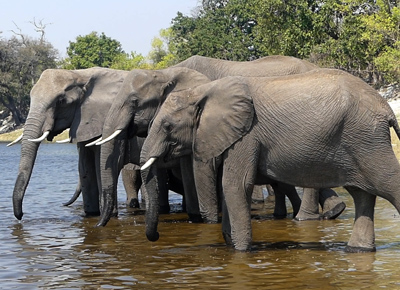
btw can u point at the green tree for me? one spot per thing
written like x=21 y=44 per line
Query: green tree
x=92 y=50
x=221 y=29
x=163 y=51
x=130 y=61
x=22 y=60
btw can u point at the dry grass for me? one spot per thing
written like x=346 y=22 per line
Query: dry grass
x=11 y=136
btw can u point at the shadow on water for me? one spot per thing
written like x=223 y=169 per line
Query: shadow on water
x=54 y=247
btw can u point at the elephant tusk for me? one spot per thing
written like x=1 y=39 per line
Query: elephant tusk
x=112 y=136
x=15 y=141
x=64 y=141
x=148 y=163
x=41 y=138
x=93 y=142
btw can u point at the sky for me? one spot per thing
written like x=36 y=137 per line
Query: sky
x=134 y=23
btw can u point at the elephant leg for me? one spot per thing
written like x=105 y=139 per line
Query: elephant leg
x=88 y=180
x=280 y=210
x=282 y=190
x=190 y=194
x=162 y=184
x=332 y=205
x=258 y=195
x=309 y=209
x=363 y=235
x=132 y=182
x=238 y=178
x=205 y=175
x=226 y=224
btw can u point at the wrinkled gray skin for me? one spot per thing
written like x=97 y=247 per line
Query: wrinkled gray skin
x=127 y=106
x=276 y=65
x=75 y=99
x=133 y=109
x=320 y=129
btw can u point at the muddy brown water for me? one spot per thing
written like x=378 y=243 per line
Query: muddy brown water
x=54 y=247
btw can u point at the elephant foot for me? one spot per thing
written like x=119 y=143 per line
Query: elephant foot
x=195 y=218
x=134 y=203
x=335 y=212
x=303 y=216
x=350 y=249
x=279 y=216
x=92 y=213
x=333 y=207
x=164 y=209
x=228 y=239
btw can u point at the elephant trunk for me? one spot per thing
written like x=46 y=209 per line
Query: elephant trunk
x=151 y=187
x=111 y=163
x=29 y=150
x=149 y=177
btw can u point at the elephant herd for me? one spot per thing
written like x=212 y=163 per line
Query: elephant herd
x=212 y=129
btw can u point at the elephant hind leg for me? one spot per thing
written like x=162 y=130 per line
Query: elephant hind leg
x=363 y=235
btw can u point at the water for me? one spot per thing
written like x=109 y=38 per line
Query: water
x=54 y=247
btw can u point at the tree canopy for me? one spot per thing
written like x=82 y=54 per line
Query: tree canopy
x=22 y=60
x=360 y=36
x=92 y=50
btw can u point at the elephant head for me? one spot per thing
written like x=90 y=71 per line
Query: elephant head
x=205 y=121
x=61 y=99
x=132 y=110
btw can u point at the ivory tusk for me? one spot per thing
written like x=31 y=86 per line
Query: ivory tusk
x=148 y=163
x=64 y=141
x=15 y=141
x=41 y=138
x=93 y=142
x=112 y=136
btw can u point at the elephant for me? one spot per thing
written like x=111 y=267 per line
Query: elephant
x=75 y=99
x=128 y=104
x=320 y=129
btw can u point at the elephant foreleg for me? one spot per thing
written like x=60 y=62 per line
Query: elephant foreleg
x=191 y=200
x=88 y=179
x=132 y=182
x=205 y=174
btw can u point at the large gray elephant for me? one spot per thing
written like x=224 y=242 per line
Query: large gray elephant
x=75 y=99
x=321 y=129
x=134 y=102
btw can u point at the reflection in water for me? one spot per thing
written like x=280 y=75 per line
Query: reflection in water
x=54 y=247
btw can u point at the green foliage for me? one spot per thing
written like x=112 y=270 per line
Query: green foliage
x=360 y=36
x=222 y=29
x=22 y=60
x=92 y=50
x=162 y=53
x=130 y=61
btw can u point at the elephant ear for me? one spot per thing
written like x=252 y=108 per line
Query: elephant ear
x=225 y=114
x=98 y=92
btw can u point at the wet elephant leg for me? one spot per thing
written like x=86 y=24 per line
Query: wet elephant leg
x=190 y=194
x=163 y=195
x=208 y=189
x=280 y=210
x=332 y=205
x=88 y=180
x=363 y=235
x=132 y=182
x=309 y=209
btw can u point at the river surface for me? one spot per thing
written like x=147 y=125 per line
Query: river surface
x=55 y=247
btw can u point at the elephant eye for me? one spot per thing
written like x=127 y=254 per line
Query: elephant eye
x=167 y=127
